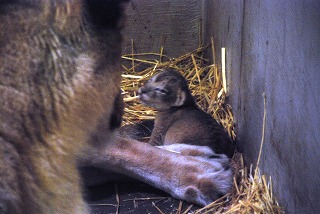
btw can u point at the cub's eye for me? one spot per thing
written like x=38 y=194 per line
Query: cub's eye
x=161 y=91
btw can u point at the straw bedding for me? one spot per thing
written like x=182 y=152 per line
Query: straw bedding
x=252 y=192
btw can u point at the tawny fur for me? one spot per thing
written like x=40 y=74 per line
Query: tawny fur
x=60 y=106
x=59 y=69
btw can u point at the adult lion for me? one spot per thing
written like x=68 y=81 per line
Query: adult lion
x=60 y=101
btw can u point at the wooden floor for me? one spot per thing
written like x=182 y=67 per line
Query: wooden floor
x=132 y=197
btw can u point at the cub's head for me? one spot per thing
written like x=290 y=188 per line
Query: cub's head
x=165 y=90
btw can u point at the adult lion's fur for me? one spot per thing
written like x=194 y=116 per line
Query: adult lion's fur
x=59 y=75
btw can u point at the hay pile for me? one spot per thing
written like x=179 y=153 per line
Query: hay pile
x=252 y=193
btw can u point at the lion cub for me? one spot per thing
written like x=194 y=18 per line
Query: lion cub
x=179 y=119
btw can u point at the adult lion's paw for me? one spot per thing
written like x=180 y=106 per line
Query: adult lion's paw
x=201 y=180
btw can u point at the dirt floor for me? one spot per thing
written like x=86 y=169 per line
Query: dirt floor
x=132 y=197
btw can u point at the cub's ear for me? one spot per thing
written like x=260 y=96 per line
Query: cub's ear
x=181 y=98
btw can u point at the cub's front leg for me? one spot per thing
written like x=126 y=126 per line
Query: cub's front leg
x=196 y=179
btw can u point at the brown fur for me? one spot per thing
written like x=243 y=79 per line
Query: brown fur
x=179 y=119
x=60 y=105
x=59 y=69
